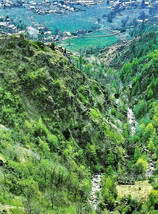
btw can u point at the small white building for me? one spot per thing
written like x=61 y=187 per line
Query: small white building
x=33 y=32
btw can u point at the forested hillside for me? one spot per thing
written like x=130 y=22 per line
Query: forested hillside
x=59 y=127
x=131 y=77
x=54 y=129
x=125 y=51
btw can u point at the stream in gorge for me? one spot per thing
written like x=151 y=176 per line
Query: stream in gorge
x=96 y=179
x=133 y=123
x=96 y=188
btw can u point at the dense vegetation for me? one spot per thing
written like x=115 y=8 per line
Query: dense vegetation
x=134 y=84
x=54 y=129
x=59 y=126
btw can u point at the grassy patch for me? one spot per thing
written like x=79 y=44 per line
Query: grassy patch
x=139 y=191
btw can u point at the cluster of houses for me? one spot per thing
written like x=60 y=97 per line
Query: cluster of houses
x=8 y=27
x=37 y=31
x=49 y=6
x=146 y=10
x=11 y=3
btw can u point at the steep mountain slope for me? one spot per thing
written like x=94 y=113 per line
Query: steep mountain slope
x=63 y=135
x=117 y=55
x=134 y=85
x=140 y=80
x=142 y=77
x=54 y=129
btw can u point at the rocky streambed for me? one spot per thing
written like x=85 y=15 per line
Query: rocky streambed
x=96 y=188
